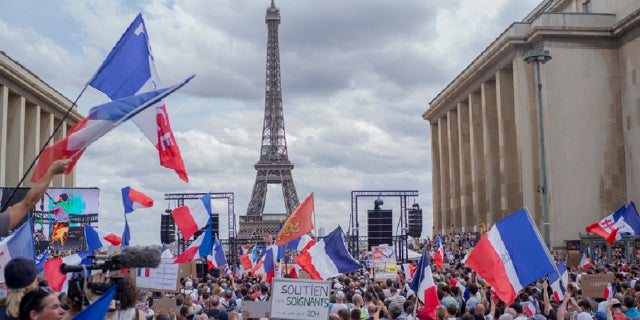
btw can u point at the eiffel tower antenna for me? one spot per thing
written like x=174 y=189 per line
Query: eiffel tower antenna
x=274 y=166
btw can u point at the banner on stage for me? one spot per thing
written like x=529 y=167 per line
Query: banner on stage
x=300 y=299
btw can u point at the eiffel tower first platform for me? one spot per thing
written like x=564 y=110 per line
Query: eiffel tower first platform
x=274 y=166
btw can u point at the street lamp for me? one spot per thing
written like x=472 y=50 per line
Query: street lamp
x=538 y=56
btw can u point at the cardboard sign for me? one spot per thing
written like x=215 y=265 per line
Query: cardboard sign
x=256 y=309
x=164 y=305
x=593 y=284
x=300 y=299
x=573 y=260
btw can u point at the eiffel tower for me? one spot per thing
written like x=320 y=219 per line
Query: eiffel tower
x=274 y=166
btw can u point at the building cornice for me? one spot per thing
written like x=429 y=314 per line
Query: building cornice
x=574 y=25
x=29 y=82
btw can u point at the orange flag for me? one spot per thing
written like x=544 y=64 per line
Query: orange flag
x=299 y=222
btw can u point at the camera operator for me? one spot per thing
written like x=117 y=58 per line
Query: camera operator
x=21 y=277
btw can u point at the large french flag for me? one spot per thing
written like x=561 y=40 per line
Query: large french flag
x=424 y=286
x=511 y=255
x=193 y=216
x=101 y=120
x=130 y=69
x=584 y=262
x=606 y=228
x=266 y=263
x=438 y=258
x=18 y=244
x=199 y=248
x=328 y=257
x=97 y=239
x=217 y=258
x=302 y=243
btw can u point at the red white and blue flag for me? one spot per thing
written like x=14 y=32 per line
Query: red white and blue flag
x=625 y=221
x=100 y=121
x=97 y=239
x=300 y=244
x=424 y=286
x=217 y=258
x=557 y=282
x=130 y=69
x=266 y=265
x=585 y=263
x=99 y=308
x=511 y=255
x=18 y=244
x=438 y=258
x=199 y=248
x=328 y=257
x=609 y=291
x=192 y=216
x=244 y=249
x=132 y=200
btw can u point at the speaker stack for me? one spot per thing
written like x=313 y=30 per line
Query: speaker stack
x=167 y=228
x=415 y=221
x=379 y=227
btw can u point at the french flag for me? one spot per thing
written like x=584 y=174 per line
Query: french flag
x=424 y=286
x=18 y=244
x=266 y=265
x=217 y=259
x=300 y=244
x=130 y=69
x=556 y=282
x=244 y=249
x=246 y=262
x=409 y=270
x=584 y=262
x=530 y=309
x=511 y=255
x=193 y=216
x=199 y=248
x=328 y=257
x=609 y=291
x=438 y=258
x=101 y=120
x=97 y=239
x=133 y=199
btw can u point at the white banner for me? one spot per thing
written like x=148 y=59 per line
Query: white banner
x=300 y=299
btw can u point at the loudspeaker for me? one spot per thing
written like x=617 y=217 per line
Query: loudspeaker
x=167 y=229
x=201 y=270
x=379 y=227
x=415 y=221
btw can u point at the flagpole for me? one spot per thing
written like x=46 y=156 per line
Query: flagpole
x=44 y=146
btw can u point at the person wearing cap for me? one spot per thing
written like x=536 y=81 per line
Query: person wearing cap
x=614 y=310
x=10 y=218
x=21 y=276
x=339 y=305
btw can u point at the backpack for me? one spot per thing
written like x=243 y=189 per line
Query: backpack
x=232 y=305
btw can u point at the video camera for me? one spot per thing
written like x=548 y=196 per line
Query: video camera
x=130 y=257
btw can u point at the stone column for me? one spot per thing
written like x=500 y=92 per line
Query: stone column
x=445 y=195
x=32 y=137
x=61 y=134
x=4 y=107
x=454 y=169
x=478 y=177
x=464 y=128
x=435 y=178
x=510 y=181
x=15 y=139
x=491 y=155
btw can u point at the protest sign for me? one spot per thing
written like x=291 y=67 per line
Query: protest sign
x=164 y=305
x=255 y=309
x=384 y=262
x=164 y=277
x=593 y=284
x=300 y=299
x=573 y=260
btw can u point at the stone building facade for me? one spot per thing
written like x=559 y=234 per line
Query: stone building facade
x=30 y=109
x=485 y=143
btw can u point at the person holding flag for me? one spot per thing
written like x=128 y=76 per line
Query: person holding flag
x=9 y=218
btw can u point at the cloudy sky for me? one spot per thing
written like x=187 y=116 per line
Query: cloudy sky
x=356 y=77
